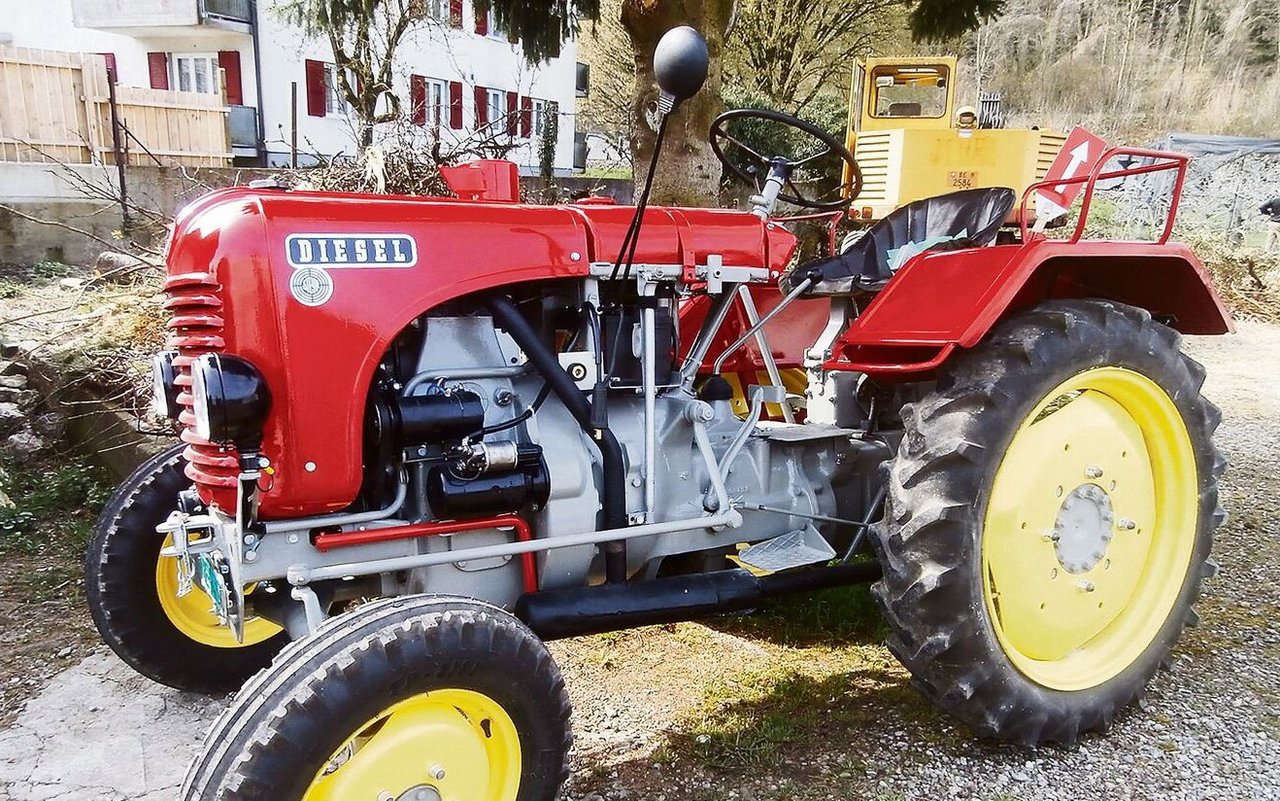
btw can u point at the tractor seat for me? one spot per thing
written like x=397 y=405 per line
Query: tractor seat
x=966 y=219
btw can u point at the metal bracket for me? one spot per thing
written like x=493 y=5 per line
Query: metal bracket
x=311 y=605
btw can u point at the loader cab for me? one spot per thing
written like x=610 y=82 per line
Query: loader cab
x=914 y=138
x=903 y=93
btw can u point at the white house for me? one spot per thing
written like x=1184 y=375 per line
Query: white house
x=456 y=75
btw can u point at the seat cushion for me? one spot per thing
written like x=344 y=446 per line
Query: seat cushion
x=965 y=219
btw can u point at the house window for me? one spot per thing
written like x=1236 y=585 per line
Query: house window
x=334 y=103
x=429 y=98
x=540 y=109
x=194 y=73
x=496 y=107
x=437 y=10
x=437 y=99
x=491 y=26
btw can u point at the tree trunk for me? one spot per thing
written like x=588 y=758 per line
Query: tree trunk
x=688 y=172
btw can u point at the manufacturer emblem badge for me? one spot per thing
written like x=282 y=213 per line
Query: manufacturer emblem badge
x=311 y=286
x=338 y=251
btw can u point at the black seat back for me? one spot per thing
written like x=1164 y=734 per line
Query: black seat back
x=964 y=219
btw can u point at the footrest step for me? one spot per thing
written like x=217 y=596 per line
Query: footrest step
x=794 y=549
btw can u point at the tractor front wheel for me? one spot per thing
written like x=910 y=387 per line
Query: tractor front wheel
x=420 y=698
x=1051 y=511
x=175 y=639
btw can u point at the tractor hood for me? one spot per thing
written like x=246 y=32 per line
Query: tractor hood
x=313 y=287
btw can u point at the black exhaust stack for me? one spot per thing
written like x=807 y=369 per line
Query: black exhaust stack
x=555 y=614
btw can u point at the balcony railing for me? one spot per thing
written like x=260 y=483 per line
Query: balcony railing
x=235 y=10
x=145 y=14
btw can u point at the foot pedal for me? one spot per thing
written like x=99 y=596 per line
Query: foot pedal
x=794 y=549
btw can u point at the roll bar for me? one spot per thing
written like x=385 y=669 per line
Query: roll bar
x=1166 y=160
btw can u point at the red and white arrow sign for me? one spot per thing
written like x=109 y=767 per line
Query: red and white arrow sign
x=1079 y=155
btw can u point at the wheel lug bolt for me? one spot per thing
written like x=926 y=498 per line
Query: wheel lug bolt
x=1093 y=471
x=1126 y=524
x=437 y=772
x=1085 y=586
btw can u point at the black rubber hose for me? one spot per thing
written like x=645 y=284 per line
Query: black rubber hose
x=614 y=492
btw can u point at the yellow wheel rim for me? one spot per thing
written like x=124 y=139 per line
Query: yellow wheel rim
x=1090 y=528
x=193 y=615
x=443 y=745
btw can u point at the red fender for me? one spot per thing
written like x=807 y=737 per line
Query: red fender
x=942 y=301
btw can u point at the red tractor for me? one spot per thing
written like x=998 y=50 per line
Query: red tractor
x=513 y=423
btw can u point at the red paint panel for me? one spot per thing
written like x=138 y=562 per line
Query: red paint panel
x=455 y=13
x=316 y=105
x=229 y=60
x=158 y=70
x=513 y=114
x=482 y=19
x=455 y=105
x=418 y=99
x=494 y=180
x=526 y=116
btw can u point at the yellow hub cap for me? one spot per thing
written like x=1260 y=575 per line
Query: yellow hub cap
x=193 y=615
x=443 y=745
x=1090 y=528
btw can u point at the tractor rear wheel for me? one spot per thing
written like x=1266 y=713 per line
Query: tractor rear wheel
x=418 y=698
x=133 y=593
x=1051 y=510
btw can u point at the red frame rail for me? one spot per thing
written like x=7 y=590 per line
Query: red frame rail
x=342 y=539
x=1166 y=161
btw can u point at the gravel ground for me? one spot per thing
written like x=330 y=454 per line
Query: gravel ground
x=733 y=712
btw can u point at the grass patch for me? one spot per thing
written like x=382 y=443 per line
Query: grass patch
x=745 y=720
x=842 y=615
x=56 y=502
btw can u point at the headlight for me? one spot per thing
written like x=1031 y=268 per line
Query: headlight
x=164 y=392
x=231 y=401
x=200 y=403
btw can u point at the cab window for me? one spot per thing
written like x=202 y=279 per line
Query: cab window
x=915 y=91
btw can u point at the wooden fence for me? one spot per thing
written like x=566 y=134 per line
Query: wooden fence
x=56 y=106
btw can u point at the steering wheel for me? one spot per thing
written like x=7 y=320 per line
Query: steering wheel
x=760 y=165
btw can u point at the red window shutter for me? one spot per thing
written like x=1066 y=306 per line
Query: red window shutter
x=526 y=116
x=455 y=105
x=482 y=18
x=158 y=67
x=110 y=58
x=315 y=88
x=229 y=60
x=418 y=99
x=513 y=113
x=455 y=13
x=482 y=107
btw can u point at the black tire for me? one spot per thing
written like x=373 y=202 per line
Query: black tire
x=932 y=591
x=120 y=582
x=288 y=721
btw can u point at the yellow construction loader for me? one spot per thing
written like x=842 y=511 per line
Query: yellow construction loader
x=912 y=142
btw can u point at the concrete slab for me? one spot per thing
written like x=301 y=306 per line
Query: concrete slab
x=100 y=732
